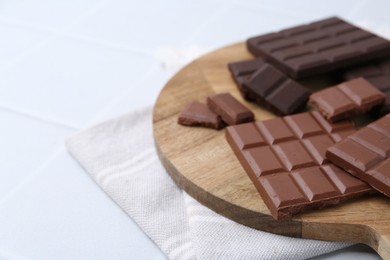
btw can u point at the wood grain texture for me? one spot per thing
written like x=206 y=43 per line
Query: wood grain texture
x=201 y=162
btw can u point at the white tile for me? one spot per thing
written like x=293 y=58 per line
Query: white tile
x=146 y=92
x=374 y=16
x=25 y=143
x=7 y=255
x=70 y=80
x=375 y=11
x=240 y=22
x=146 y=25
x=17 y=39
x=142 y=94
x=62 y=214
x=313 y=9
x=45 y=13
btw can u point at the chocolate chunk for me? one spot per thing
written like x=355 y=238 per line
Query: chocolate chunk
x=366 y=154
x=285 y=159
x=269 y=87
x=378 y=74
x=198 y=114
x=242 y=70
x=349 y=98
x=230 y=109
x=318 y=47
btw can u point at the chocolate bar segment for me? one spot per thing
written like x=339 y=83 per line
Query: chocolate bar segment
x=366 y=154
x=242 y=70
x=230 y=109
x=349 y=98
x=266 y=85
x=198 y=114
x=378 y=74
x=318 y=47
x=285 y=159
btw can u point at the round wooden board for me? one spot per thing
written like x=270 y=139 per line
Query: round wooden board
x=201 y=162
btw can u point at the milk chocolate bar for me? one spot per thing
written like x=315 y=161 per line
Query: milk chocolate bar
x=198 y=114
x=366 y=154
x=269 y=87
x=285 y=159
x=378 y=74
x=349 y=98
x=230 y=109
x=318 y=47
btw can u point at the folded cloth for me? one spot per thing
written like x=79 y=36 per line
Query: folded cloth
x=120 y=156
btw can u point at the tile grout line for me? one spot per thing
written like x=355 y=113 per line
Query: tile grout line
x=51 y=37
x=113 y=45
x=31 y=175
x=27 y=25
x=212 y=18
x=272 y=9
x=118 y=97
x=38 y=118
x=353 y=10
x=26 y=53
x=10 y=255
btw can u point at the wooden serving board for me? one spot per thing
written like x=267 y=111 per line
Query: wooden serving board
x=201 y=162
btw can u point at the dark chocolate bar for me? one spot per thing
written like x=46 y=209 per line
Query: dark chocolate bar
x=318 y=47
x=198 y=114
x=352 y=97
x=230 y=109
x=285 y=159
x=366 y=154
x=242 y=70
x=378 y=74
x=269 y=87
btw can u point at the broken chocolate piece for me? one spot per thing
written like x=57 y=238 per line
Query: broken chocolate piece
x=198 y=114
x=242 y=70
x=366 y=154
x=349 y=98
x=261 y=82
x=230 y=109
x=378 y=74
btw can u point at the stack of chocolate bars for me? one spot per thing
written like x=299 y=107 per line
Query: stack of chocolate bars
x=306 y=160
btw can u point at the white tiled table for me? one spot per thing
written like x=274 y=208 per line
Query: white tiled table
x=65 y=65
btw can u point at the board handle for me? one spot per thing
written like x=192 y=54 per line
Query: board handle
x=382 y=240
x=370 y=229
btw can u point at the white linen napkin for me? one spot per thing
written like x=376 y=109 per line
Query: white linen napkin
x=120 y=156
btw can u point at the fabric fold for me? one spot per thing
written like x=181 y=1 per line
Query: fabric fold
x=120 y=156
